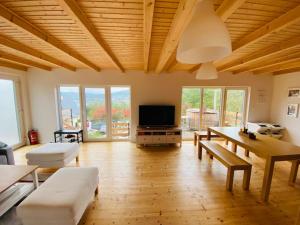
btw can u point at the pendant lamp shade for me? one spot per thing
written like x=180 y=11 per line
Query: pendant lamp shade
x=205 y=39
x=207 y=71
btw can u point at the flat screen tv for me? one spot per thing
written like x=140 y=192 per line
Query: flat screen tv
x=156 y=115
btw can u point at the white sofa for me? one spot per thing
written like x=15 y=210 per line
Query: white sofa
x=62 y=199
x=53 y=155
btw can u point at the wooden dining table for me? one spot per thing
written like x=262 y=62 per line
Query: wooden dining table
x=271 y=149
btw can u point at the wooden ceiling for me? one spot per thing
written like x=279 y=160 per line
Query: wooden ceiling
x=144 y=34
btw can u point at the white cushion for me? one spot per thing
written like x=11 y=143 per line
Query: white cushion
x=54 y=163
x=62 y=199
x=52 y=152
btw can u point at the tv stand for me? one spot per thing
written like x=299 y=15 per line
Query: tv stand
x=158 y=136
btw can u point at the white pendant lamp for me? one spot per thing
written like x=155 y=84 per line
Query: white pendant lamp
x=207 y=71
x=205 y=39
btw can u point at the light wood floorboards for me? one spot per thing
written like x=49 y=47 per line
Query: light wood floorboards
x=170 y=186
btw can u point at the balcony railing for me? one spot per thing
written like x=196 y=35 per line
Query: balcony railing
x=120 y=129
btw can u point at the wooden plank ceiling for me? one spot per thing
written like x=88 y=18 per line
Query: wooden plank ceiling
x=144 y=34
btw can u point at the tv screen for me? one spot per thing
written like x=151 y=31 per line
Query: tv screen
x=156 y=115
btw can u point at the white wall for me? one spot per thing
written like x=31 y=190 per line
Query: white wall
x=279 y=105
x=20 y=76
x=145 y=89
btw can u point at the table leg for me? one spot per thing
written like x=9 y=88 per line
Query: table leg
x=269 y=169
x=208 y=134
x=247 y=153
x=199 y=151
x=298 y=219
x=234 y=147
x=294 y=171
x=195 y=139
x=55 y=138
x=35 y=179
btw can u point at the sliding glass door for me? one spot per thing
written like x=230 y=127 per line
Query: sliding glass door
x=10 y=129
x=70 y=107
x=95 y=113
x=120 y=112
x=105 y=111
x=190 y=111
x=211 y=108
x=235 y=107
x=203 y=107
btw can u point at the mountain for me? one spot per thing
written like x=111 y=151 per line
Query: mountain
x=70 y=100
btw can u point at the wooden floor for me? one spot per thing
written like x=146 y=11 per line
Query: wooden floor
x=170 y=186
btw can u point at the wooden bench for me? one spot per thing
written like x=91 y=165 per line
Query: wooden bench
x=228 y=159
x=199 y=135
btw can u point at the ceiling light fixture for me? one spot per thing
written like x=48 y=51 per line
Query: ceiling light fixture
x=205 y=39
x=207 y=71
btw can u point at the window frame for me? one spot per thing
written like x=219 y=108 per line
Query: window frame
x=223 y=101
x=83 y=115
x=245 y=106
x=59 y=106
x=19 y=109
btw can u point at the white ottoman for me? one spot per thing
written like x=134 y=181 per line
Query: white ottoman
x=53 y=155
x=62 y=199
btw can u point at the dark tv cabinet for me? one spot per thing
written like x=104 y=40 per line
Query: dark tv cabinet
x=158 y=136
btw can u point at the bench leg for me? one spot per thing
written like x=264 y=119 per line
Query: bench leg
x=246 y=179
x=294 y=171
x=77 y=158
x=199 y=151
x=247 y=153
x=96 y=191
x=195 y=139
x=229 y=181
x=226 y=141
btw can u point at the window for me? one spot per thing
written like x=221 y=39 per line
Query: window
x=190 y=111
x=120 y=112
x=235 y=107
x=70 y=109
x=96 y=115
x=105 y=111
x=203 y=107
x=10 y=129
x=211 y=108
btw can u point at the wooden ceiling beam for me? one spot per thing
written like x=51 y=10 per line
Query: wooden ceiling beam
x=281 y=72
x=173 y=66
x=181 y=19
x=17 y=59
x=290 y=64
x=33 y=52
x=268 y=63
x=148 y=21
x=228 y=7
x=277 y=24
x=36 y=32
x=262 y=54
x=12 y=65
x=74 y=10
x=194 y=68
